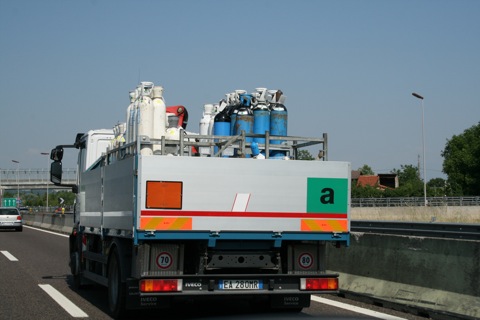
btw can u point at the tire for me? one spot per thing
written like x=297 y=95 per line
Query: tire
x=20 y=229
x=75 y=270
x=116 y=288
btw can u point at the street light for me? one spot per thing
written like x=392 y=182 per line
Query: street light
x=48 y=162
x=416 y=95
x=18 y=184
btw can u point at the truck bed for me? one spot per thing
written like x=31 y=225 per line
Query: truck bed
x=201 y=196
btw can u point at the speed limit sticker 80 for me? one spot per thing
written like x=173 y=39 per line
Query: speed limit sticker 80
x=305 y=260
x=164 y=260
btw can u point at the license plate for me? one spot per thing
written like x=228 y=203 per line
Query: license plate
x=240 y=285
x=7 y=223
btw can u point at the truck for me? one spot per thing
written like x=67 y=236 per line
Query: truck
x=164 y=216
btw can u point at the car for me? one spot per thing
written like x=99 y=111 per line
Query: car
x=10 y=218
x=24 y=210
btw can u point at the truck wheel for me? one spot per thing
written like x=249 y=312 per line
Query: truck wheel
x=116 y=288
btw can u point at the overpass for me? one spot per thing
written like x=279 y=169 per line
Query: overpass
x=30 y=179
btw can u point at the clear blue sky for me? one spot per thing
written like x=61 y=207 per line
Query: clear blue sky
x=348 y=68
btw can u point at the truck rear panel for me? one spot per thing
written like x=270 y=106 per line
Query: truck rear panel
x=227 y=195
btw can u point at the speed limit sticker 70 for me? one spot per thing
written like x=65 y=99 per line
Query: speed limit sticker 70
x=305 y=260
x=164 y=260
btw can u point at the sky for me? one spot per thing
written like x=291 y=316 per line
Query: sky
x=347 y=68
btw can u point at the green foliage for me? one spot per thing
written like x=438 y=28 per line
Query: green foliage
x=366 y=170
x=366 y=192
x=437 y=187
x=304 y=155
x=462 y=162
x=410 y=185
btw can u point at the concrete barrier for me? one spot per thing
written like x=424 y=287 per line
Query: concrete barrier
x=441 y=275
x=56 y=222
x=451 y=214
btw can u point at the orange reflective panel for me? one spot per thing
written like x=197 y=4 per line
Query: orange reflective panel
x=164 y=194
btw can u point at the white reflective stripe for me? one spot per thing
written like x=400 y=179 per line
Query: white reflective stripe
x=9 y=256
x=241 y=202
x=66 y=304
x=367 y=312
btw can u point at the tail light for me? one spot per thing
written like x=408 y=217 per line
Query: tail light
x=19 y=218
x=161 y=285
x=313 y=284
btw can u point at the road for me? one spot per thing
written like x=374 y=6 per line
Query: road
x=35 y=283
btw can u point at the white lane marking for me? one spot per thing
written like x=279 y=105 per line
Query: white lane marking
x=66 y=304
x=9 y=256
x=47 y=231
x=367 y=312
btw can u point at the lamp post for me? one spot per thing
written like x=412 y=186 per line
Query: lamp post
x=416 y=95
x=18 y=184
x=46 y=154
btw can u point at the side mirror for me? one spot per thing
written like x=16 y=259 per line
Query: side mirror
x=56 y=154
x=56 y=172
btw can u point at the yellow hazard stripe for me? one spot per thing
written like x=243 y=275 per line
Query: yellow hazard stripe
x=162 y=223
x=324 y=225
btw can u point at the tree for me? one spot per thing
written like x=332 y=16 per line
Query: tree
x=436 y=187
x=366 y=170
x=462 y=162
x=410 y=183
x=304 y=155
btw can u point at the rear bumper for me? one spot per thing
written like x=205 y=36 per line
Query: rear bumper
x=282 y=290
x=11 y=225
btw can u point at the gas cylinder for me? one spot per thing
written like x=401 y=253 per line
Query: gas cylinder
x=261 y=115
x=130 y=117
x=145 y=115
x=278 y=126
x=233 y=118
x=244 y=122
x=221 y=126
x=159 y=116
x=205 y=123
x=234 y=104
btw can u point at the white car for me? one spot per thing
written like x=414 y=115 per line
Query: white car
x=10 y=218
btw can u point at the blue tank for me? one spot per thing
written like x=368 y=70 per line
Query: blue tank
x=221 y=126
x=261 y=122
x=233 y=119
x=244 y=122
x=278 y=127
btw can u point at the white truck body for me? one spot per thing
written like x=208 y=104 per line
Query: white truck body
x=217 y=194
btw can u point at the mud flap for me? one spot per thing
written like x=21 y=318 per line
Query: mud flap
x=290 y=301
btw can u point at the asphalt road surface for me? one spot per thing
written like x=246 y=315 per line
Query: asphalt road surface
x=35 y=283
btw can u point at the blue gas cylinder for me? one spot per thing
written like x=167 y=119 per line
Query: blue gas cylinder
x=233 y=119
x=221 y=126
x=261 y=121
x=278 y=126
x=244 y=122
